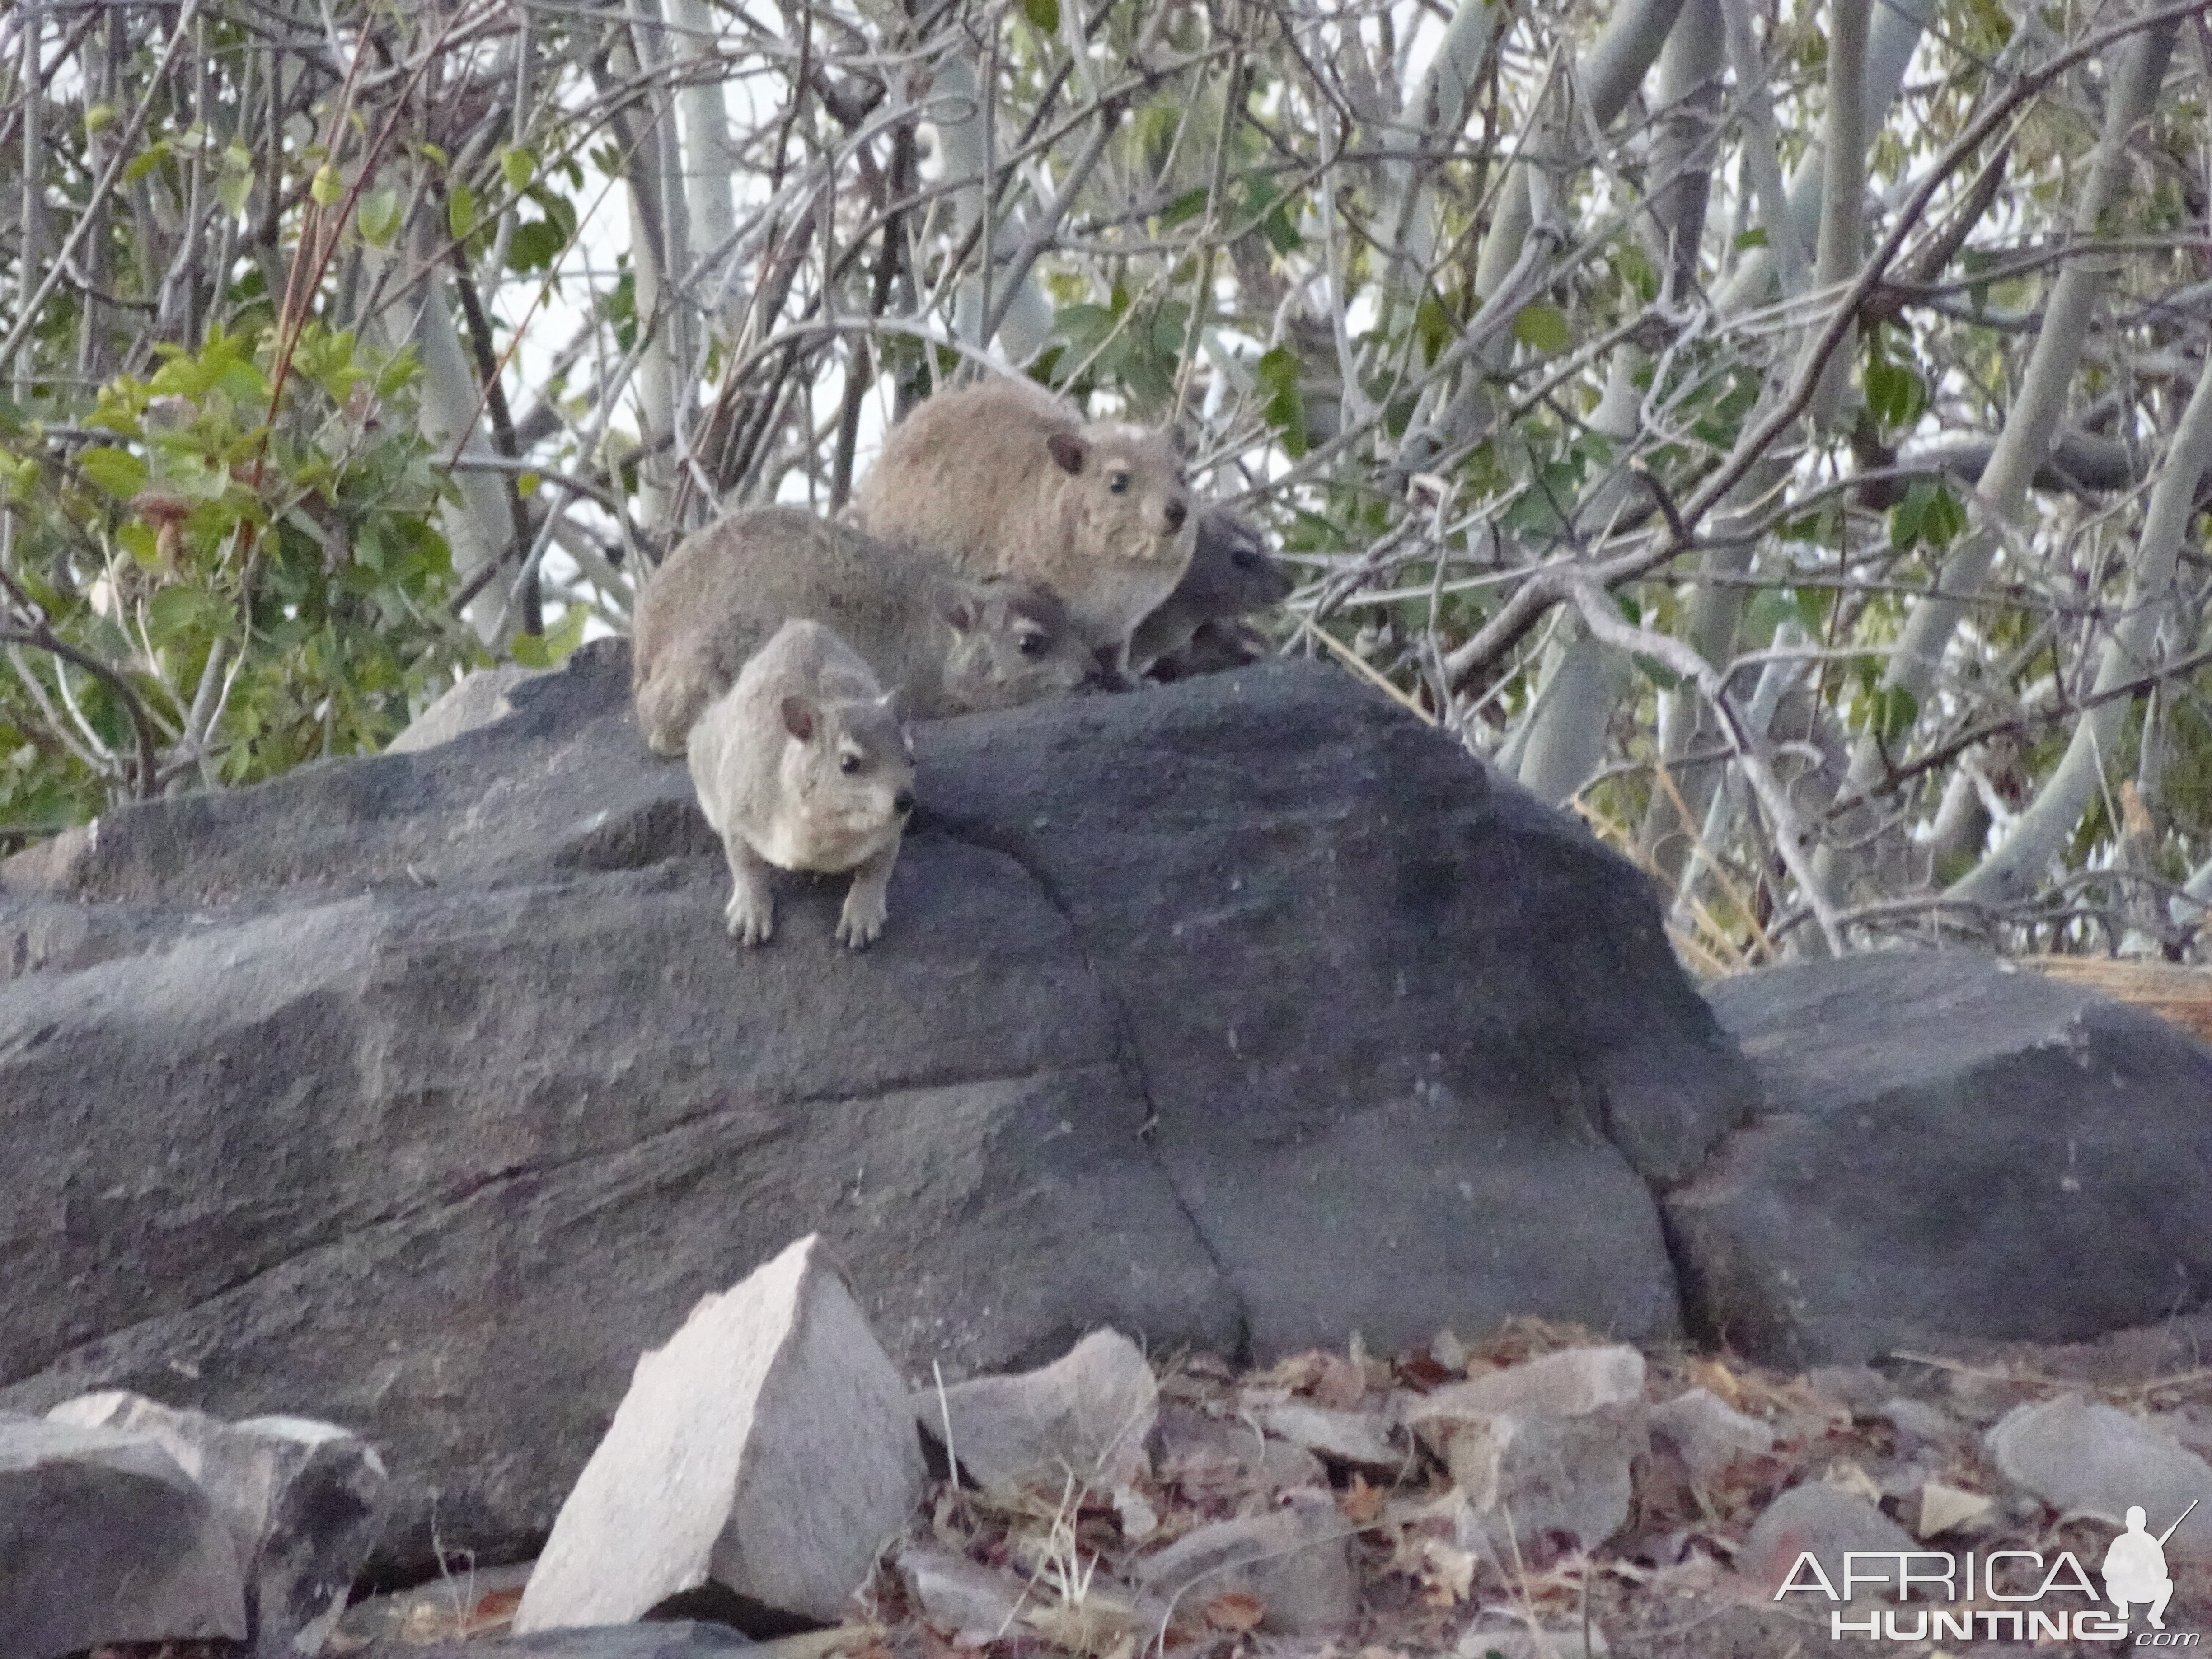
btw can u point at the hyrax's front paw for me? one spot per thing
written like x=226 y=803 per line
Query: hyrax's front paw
x=861 y=921
x=752 y=917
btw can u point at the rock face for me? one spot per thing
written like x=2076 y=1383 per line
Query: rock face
x=1234 y=1014
x=768 y=1447
x=1950 y=1152
x=104 y=1538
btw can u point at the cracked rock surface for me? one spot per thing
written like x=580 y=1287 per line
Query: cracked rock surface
x=422 y=1092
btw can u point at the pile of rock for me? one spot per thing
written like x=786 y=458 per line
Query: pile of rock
x=122 y=1520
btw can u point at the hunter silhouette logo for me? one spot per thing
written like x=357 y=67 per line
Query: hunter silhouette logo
x=2134 y=1566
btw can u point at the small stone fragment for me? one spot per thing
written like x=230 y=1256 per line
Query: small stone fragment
x=1296 y=1561
x=1522 y=1477
x=1952 y=1509
x=973 y=1604
x=1564 y=1384
x=1709 y=1433
x=104 y=1538
x=1359 y=1439
x=1545 y=1446
x=1085 y=1418
x=2086 y=1459
x=303 y=1500
x=1226 y=1456
x=1916 y=1422
x=768 y=1446
x=1822 y=1521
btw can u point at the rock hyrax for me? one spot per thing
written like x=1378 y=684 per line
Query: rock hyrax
x=952 y=646
x=803 y=764
x=1230 y=574
x=1003 y=479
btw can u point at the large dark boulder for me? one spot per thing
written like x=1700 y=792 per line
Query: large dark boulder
x=422 y=1092
x=1952 y=1152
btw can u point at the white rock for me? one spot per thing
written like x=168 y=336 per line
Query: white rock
x=1710 y=1433
x=1358 y=1438
x=303 y=1502
x=1296 y=1560
x=2085 y=1459
x=1824 y=1521
x=1952 y=1509
x=768 y=1447
x=104 y=1538
x=1084 y=1418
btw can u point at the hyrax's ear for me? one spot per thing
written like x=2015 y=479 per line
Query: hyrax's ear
x=800 y=717
x=1067 y=450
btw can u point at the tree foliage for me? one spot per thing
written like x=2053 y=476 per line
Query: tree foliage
x=1771 y=428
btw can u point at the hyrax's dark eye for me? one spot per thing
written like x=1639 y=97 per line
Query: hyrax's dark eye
x=1245 y=559
x=848 y=764
x=1032 y=645
x=1118 y=483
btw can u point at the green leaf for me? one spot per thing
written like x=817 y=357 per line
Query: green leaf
x=546 y=650
x=534 y=247
x=1944 y=521
x=1044 y=13
x=1189 y=205
x=1892 y=712
x=1285 y=405
x=326 y=186
x=233 y=185
x=378 y=216
x=146 y=160
x=461 y=210
x=1895 y=394
x=1756 y=236
x=175 y=611
x=518 y=166
x=1545 y=327
x=119 y=472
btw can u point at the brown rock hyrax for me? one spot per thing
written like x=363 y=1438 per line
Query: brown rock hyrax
x=802 y=764
x=952 y=646
x=1230 y=574
x=1003 y=479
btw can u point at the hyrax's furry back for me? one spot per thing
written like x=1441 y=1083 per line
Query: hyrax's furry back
x=1230 y=574
x=802 y=764
x=1000 y=478
x=950 y=645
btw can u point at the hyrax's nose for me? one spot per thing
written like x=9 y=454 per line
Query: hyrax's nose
x=1175 y=512
x=904 y=800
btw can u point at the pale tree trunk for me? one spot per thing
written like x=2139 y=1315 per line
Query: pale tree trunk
x=1566 y=745
x=710 y=162
x=2025 y=442
x=2012 y=870
x=1843 y=187
x=1435 y=114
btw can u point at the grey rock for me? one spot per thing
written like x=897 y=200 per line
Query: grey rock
x=2083 y=1458
x=1821 y=1520
x=303 y=1502
x=104 y=1538
x=1918 y=1423
x=448 y=1045
x=1487 y=1641
x=1083 y=1419
x=478 y=700
x=1525 y=1477
x=1950 y=1153
x=976 y=1605
x=1709 y=1433
x=1567 y=1384
x=681 y=1638
x=1358 y=1440
x=1295 y=1559
x=768 y=1447
x=1211 y=1454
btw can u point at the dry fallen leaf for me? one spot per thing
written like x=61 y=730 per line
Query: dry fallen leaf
x=1361 y=1503
x=1447 y=1573
x=1235 y=1610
